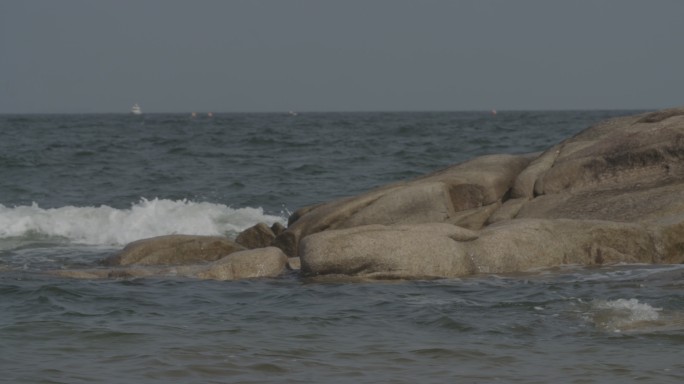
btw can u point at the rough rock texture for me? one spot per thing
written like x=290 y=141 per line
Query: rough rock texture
x=380 y=251
x=526 y=244
x=277 y=228
x=174 y=250
x=438 y=197
x=263 y=262
x=257 y=236
x=612 y=193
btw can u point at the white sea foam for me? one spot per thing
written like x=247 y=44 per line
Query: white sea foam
x=104 y=225
x=623 y=314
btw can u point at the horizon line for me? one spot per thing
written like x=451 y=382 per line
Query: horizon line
x=290 y=112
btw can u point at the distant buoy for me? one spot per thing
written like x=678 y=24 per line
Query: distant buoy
x=210 y=114
x=193 y=114
x=493 y=111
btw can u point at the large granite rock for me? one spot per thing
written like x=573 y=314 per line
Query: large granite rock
x=378 y=251
x=443 y=250
x=438 y=197
x=255 y=263
x=613 y=193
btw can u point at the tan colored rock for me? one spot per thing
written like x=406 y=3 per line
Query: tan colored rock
x=631 y=204
x=668 y=233
x=523 y=186
x=525 y=244
x=612 y=193
x=507 y=211
x=247 y=264
x=436 y=197
x=111 y=273
x=474 y=218
x=257 y=236
x=277 y=228
x=294 y=263
x=397 y=252
x=174 y=250
x=417 y=203
x=433 y=251
x=255 y=263
x=636 y=154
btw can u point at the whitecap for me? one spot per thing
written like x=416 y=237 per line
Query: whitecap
x=622 y=314
x=104 y=225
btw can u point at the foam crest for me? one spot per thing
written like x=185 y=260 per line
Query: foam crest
x=104 y=225
x=623 y=314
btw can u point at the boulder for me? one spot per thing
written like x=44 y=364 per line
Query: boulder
x=173 y=250
x=437 y=197
x=249 y=264
x=246 y=264
x=507 y=211
x=668 y=234
x=398 y=252
x=474 y=218
x=294 y=263
x=627 y=169
x=647 y=152
x=277 y=228
x=613 y=193
x=524 y=244
x=443 y=251
x=130 y=272
x=257 y=236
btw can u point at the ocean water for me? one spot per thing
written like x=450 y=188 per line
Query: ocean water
x=77 y=188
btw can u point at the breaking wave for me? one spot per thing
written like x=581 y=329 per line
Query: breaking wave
x=104 y=225
x=623 y=314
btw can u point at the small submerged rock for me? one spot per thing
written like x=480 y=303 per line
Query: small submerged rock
x=246 y=264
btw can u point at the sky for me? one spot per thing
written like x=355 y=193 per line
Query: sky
x=91 y=56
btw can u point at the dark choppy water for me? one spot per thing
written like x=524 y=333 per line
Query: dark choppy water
x=75 y=188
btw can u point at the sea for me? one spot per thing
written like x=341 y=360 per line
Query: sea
x=76 y=188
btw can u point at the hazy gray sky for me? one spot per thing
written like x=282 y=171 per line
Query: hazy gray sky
x=343 y=55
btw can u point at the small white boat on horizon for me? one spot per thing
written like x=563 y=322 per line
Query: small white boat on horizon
x=135 y=109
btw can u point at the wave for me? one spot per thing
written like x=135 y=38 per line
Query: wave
x=104 y=225
x=623 y=314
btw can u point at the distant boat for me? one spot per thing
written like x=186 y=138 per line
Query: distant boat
x=135 y=109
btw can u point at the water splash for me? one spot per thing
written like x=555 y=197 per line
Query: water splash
x=622 y=314
x=104 y=225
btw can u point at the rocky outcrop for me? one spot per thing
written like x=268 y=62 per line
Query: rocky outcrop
x=174 y=250
x=396 y=252
x=263 y=262
x=457 y=194
x=443 y=250
x=257 y=236
x=524 y=244
x=614 y=193
x=247 y=264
